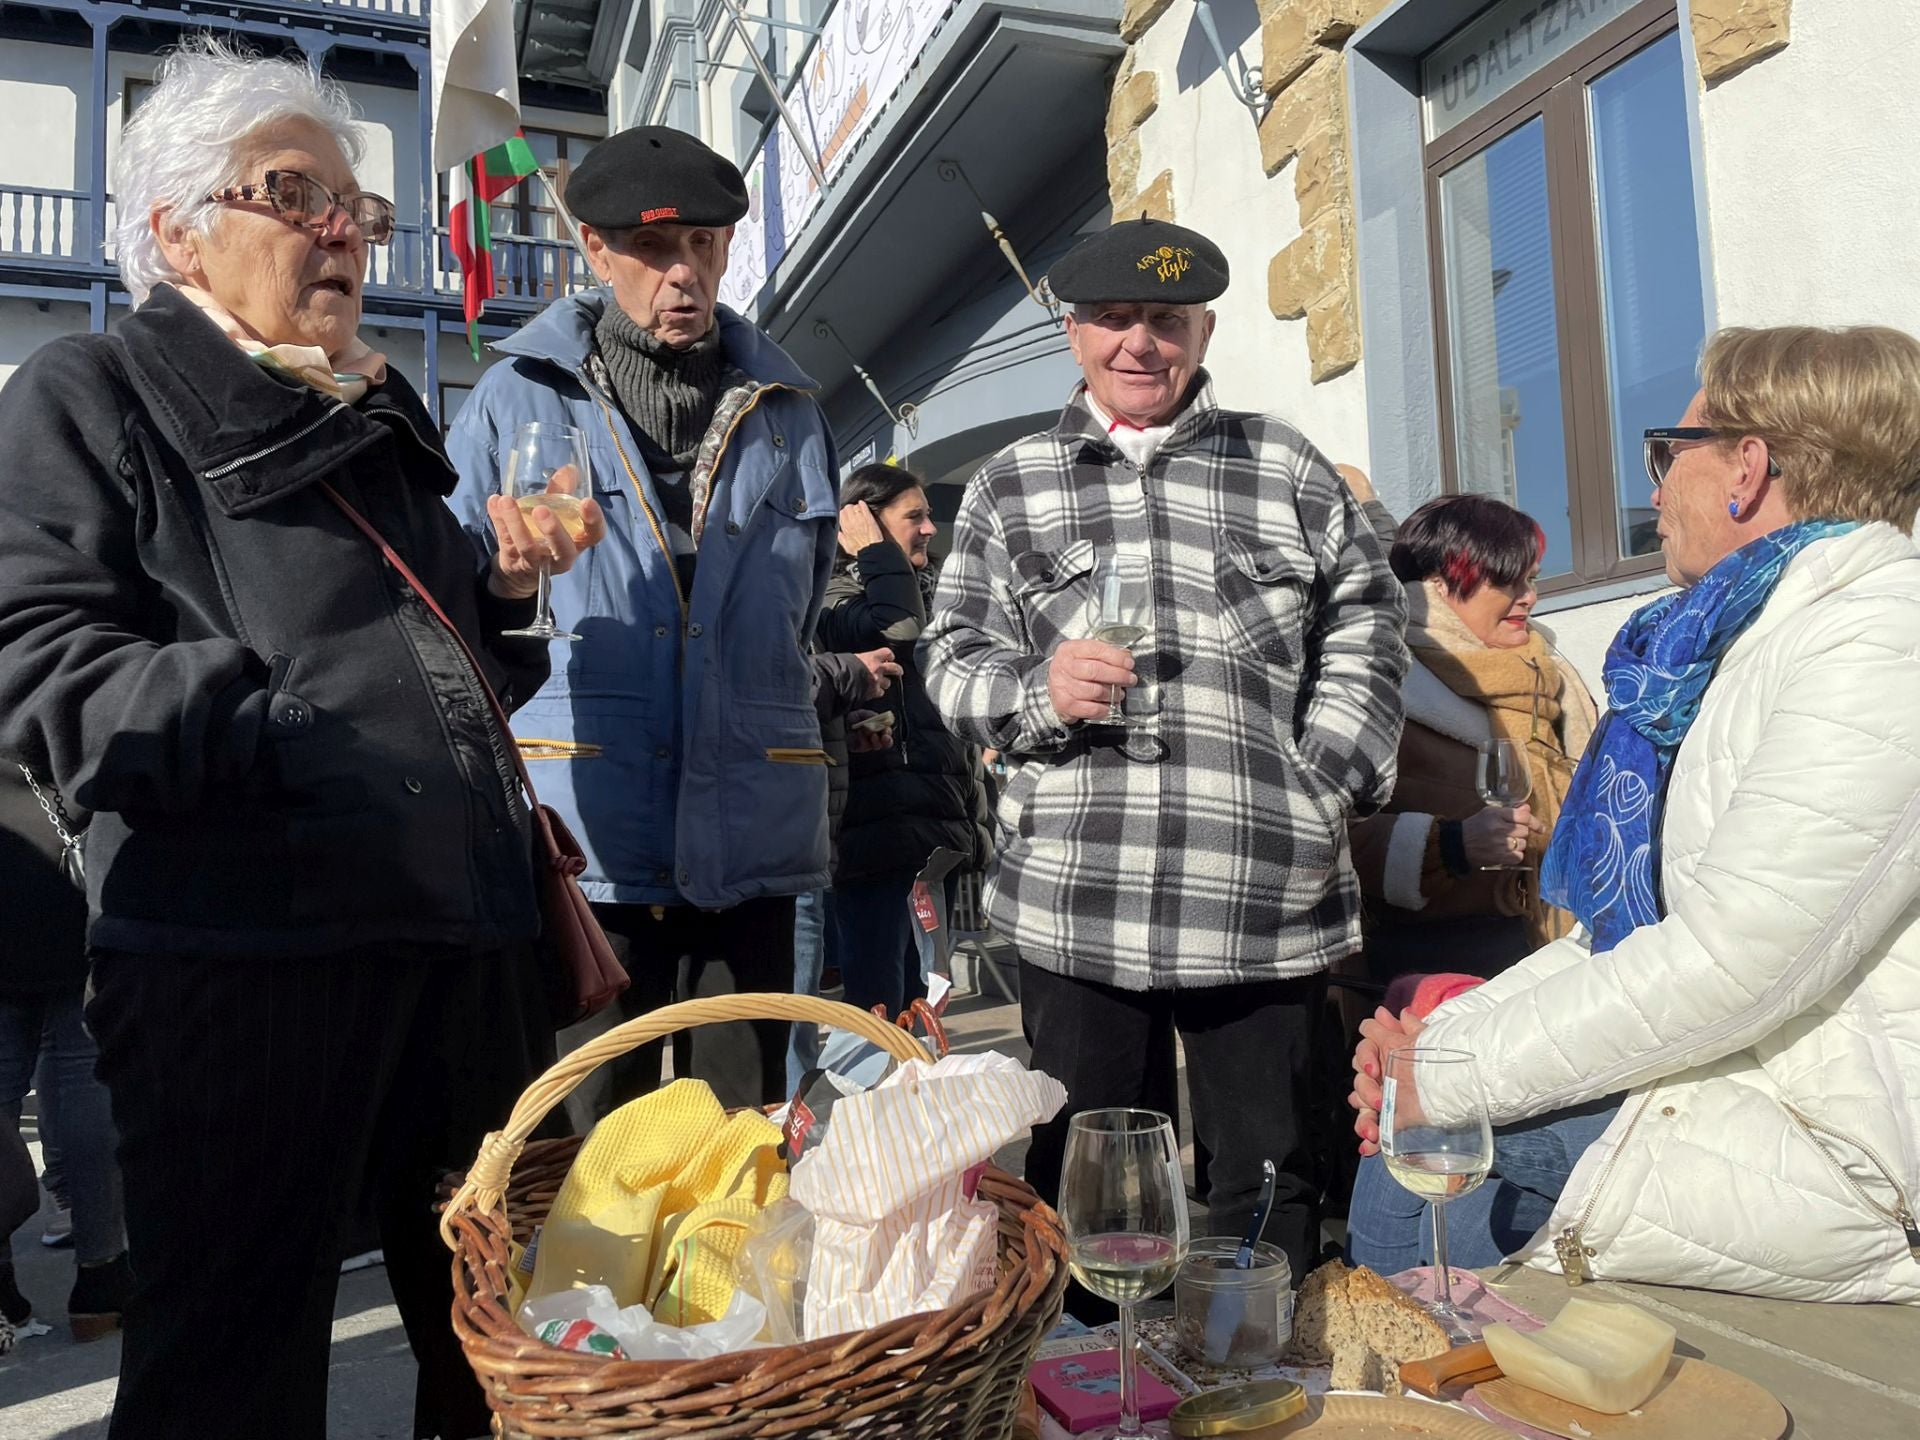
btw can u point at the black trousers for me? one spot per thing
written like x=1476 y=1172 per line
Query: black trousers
x=1249 y=1063
x=255 y=1099
x=679 y=953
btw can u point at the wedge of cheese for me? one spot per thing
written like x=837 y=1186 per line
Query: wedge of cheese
x=1606 y=1357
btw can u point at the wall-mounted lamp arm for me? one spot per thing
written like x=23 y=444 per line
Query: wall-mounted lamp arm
x=906 y=416
x=950 y=171
x=1242 y=78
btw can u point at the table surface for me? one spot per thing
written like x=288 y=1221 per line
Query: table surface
x=1844 y=1372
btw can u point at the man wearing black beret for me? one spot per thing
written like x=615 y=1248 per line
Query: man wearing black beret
x=1186 y=869
x=678 y=737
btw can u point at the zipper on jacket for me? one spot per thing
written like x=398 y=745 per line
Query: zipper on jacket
x=505 y=771
x=1900 y=1212
x=1569 y=1246
x=221 y=471
x=640 y=494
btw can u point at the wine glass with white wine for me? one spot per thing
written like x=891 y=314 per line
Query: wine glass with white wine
x=1503 y=777
x=547 y=470
x=1119 y=611
x=1438 y=1143
x=1124 y=1206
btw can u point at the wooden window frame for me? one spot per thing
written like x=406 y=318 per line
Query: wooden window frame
x=1558 y=97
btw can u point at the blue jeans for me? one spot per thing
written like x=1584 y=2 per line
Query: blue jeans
x=812 y=936
x=874 y=942
x=1532 y=1162
x=50 y=1032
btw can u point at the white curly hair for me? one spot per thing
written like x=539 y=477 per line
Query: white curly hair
x=189 y=139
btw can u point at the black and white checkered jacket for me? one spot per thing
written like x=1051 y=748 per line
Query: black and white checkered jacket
x=1209 y=847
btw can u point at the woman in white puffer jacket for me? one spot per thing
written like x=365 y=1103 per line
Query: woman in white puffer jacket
x=1715 y=1082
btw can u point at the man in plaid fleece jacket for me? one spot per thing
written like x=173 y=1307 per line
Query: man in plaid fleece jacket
x=1187 y=872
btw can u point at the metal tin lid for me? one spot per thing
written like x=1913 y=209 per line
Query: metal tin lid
x=1238 y=1409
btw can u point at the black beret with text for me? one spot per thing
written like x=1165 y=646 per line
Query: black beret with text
x=1140 y=262
x=655 y=175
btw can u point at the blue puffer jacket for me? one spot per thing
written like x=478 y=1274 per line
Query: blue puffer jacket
x=679 y=740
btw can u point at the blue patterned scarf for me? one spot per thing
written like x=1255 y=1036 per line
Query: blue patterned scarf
x=1603 y=863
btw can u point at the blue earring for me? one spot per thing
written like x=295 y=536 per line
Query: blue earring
x=1733 y=508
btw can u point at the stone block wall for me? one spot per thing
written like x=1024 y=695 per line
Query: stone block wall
x=1302 y=69
x=1303 y=72
x=1730 y=35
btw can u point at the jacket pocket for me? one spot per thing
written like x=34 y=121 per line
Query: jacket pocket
x=1050 y=594
x=1266 y=594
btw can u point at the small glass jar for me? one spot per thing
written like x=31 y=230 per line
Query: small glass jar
x=1236 y=1319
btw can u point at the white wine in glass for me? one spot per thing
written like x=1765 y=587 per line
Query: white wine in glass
x=1123 y=1203
x=1438 y=1143
x=1503 y=778
x=547 y=469
x=1119 y=610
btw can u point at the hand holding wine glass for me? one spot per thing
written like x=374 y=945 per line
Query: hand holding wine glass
x=1123 y=1204
x=542 y=518
x=1438 y=1143
x=1497 y=837
x=1119 y=611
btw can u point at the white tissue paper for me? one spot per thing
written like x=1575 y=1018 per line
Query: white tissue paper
x=639 y=1335
x=896 y=1233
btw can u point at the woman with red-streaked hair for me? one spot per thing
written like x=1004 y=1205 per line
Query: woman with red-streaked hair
x=1482 y=670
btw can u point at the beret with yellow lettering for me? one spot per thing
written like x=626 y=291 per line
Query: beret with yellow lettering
x=655 y=175
x=1139 y=262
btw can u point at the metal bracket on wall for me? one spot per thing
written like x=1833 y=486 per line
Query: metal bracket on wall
x=1242 y=78
x=906 y=417
x=950 y=171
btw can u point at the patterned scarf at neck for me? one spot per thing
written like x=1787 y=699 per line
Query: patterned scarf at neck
x=1604 y=862
x=346 y=376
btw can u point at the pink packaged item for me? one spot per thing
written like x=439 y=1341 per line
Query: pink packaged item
x=1082 y=1391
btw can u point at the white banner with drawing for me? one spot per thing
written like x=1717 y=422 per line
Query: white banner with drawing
x=865 y=49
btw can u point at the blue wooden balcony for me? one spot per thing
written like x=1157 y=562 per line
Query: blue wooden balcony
x=48 y=233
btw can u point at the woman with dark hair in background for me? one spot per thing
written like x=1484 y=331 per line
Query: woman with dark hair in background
x=921 y=795
x=1450 y=882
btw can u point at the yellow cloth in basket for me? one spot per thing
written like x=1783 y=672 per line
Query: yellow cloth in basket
x=684 y=1180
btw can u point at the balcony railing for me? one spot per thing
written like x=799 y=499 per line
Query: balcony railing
x=46 y=225
x=51 y=229
x=414 y=12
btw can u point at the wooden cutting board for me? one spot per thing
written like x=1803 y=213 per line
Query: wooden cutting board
x=1377 y=1417
x=1696 y=1401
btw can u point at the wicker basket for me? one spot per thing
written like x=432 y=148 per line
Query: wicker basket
x=951 y=1374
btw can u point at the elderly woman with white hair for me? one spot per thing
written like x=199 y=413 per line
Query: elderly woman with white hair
x=312 y=911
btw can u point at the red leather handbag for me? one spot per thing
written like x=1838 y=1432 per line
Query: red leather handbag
x=586 y=977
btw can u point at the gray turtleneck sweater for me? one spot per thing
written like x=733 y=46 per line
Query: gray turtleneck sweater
x=669 y=395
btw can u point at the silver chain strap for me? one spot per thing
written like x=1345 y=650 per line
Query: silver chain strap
x=49 y=799
x=72 y=859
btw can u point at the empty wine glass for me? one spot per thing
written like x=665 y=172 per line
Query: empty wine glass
x=1118 y=611
x=1124 y=1206
x=1504 y=778
x=1438 y=1143
x=547 y=470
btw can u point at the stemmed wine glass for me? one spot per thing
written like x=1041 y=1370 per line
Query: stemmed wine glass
x=1124 y=1206
x=1437 y=1142
x=1504 y=778
x=547 y=469
x=1118 y=610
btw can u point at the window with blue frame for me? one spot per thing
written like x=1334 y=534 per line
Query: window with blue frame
x=1567 y=266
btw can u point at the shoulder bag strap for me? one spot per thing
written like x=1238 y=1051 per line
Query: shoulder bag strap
x=499 y=712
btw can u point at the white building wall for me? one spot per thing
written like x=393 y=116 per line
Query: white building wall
x=1812 y=164
x=25 y=326
x=49 y=135
x=1208 y=140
